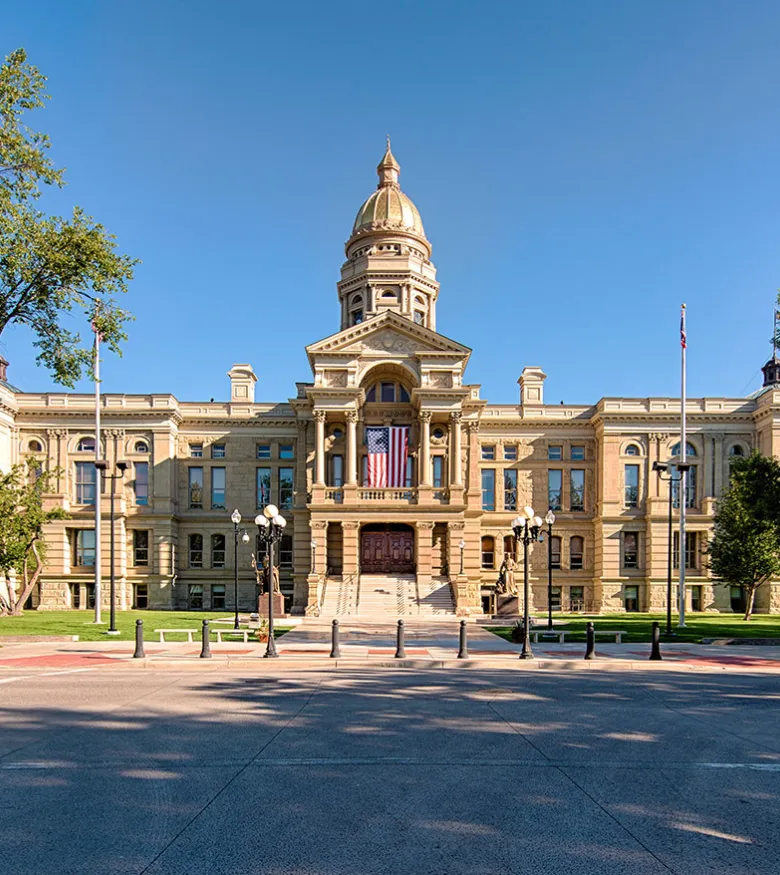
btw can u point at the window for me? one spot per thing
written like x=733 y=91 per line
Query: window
x=631 y=598
x=357 y=317
x=737 y=599
x=217 y=451
x=690 y=487
x=195 y=487
x=218 y=488
x=85 y=548
x=140 y=547
x=577 y=489
x=196 y=551
x=196 y=451
x=555 y=598
x=285 y=488
x=263 y=487
x=409 y=472
x=510 y=489
x=142 y=483
x=438 y=471
x=488 y=489
x=371 y=394
x=632 y=485
x=218 y=597
x=578 y=454
x=510 y=454
x=555 y=454
x=86 y=445
x=141 y=447
x=691 y=550
x=576 y=545
x=690 y=450
x=195 y=596
x=217 y=551
x=141 y=596
x=36 y=447
x=555 y=552
x=488 y=552
x=632 y=450
x=338 y=433
x=630 y=550
x=286 y=451
x=419 y=317
x=85 y=482
x=696 y=599
x=736 y=450
x=387 y=392
x=488 y=453
x=286 y=552
x=554 y=489
x=576 y=598
x=263 y=451
x=337 y=470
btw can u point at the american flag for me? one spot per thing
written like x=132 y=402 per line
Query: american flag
x=388 y=450
x=683 y=335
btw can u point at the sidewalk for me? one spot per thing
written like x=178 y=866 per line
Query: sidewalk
x=427 y=646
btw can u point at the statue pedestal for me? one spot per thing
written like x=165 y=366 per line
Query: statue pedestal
x=262 y=605
x=507 y=606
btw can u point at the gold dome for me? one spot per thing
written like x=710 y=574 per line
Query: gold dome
x=388 y=208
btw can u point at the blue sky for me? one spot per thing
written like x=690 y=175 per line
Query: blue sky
x=581 y=169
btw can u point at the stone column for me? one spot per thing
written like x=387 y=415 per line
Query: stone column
x=351 y=547
x=455 y=449
x=352 y=447
x=425 y=448
x=320 y=416
x=319 y=533
x=423 y=551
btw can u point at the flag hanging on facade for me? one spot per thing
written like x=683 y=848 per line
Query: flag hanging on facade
x=388 y=451
x=683 y=335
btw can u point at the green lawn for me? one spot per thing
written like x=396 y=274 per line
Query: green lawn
x=81 y=623
x=638 y=626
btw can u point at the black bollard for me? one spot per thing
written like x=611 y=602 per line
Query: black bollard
x=139 y=640
x=590 y=642
x=205 y=650
x=335 y=650
x=400 y=650
x=463 y=652
x=655 y=650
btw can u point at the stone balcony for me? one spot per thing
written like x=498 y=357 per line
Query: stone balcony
x=391 y=496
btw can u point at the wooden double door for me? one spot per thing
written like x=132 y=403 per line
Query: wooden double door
x=387 y=549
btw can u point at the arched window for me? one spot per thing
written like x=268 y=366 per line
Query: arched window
x=736 y=450
x=576 y=547
x=555 y=552
x=35 y=447
x=488 y=552
x=141 y=447
x=510 y=546
x=196 y=551
x=690 y=450
x=419 y=300
x=388 y=392
x=388 y=294
x=632 y=450
x=86 y=445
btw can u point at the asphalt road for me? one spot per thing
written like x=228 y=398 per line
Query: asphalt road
x=288 y=772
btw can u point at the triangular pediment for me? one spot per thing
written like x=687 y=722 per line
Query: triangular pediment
x=390 y=334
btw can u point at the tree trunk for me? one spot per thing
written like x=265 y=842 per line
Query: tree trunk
x=29 y=584
x=751 y=595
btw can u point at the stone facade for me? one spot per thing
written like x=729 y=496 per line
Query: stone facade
x=174 y=542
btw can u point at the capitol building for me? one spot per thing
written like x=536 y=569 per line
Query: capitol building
x=398 y=480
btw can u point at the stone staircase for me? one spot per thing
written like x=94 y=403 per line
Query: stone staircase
x=436 y=599
x=340 y=597
x=380 y=597
x=387 y=596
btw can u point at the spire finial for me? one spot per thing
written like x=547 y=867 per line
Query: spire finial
x=387 y=137
x=388 y=168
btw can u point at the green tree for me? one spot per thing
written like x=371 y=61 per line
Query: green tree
x=49 y=265
x=22 y=518
x=745 y=546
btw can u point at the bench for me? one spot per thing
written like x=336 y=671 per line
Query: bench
x=547 y=633
x=618 y=633
x=561 y=634
x=188 y=632
x=244 y=633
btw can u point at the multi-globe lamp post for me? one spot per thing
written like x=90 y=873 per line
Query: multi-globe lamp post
x=270 y=526
x=668 y=468
x=526 y=526
x=102 y=467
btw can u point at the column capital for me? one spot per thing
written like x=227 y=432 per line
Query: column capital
x=473 y=426
x=350 y=525
x=352 y=416
x=456 y=416
x=425 y=415
x=320 y=415
x=457 y=525
x=318 y=525
x=424 y=524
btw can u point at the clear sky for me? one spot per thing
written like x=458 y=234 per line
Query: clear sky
x=581 y=169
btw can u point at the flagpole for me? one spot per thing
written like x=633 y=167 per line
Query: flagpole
x=98 y=618
x=683 y=466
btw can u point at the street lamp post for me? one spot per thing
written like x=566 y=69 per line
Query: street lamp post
x=270 y=525
x=549 y=519
x=660 y=468
x=462 y=546
x=236 y=519
x=526 y=527
x=121 y=467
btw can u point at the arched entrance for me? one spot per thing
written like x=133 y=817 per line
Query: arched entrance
x=387 y=548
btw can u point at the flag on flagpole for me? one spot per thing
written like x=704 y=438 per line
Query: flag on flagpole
x=388 y=451
x=683 y=335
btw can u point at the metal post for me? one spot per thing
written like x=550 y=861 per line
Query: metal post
x=526 y=651
x=669 y=564
x=270 y=650
x=139 y=640
x=335 y=650
x=463 y=651
x=205 y=650
x=549 y=576
x=235 y=574
x=590 y=642
x=400 y=650
x=98 y=483
x=655 y=650
x=112 y=625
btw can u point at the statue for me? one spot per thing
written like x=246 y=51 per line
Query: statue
x=501 y=582
x=261 y=576
x=509 y=573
